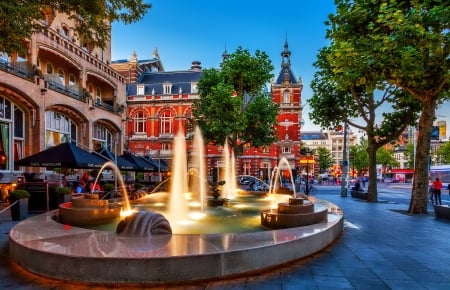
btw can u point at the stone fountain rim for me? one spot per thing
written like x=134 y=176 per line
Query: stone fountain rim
x=82 y=255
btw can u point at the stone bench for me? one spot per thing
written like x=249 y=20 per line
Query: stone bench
x=359 y=194
x=442 y=211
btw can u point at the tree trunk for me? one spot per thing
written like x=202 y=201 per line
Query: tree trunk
x=418 y=203
x=372 y=194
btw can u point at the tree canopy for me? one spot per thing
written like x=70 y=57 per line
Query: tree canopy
x=404 y=44
x=20 y=19
x=233 y=105
x=325 y=158
x=359 y=96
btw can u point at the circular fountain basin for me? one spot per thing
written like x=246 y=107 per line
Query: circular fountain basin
x=88 y=210
x=48 y=248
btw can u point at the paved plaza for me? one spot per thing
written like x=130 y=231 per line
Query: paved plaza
x=381 y=247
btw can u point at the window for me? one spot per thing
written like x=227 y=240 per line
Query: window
x=286 y=149
x=140 y=90
x=58 y=129
x=19 y=135
x=194 y=88
x=61 y=76
x=98 y=95
x=286 y=97
x=166 y=120
x=103 y=136
x=49 y=68
x=72 y=80
x=140 y=123
x=167 y=87
x=165 y=147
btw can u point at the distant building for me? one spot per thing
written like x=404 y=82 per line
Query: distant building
x=159 y=104
x=61 y=90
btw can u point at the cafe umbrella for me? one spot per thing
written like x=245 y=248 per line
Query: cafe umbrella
x=64 y=155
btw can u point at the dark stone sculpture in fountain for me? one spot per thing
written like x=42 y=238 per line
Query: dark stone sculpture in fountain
x=144 y=224
x=216 y=201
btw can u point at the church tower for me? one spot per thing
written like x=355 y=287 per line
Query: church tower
x=287 y=93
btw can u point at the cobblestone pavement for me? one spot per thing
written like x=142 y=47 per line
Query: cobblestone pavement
x=382 y=247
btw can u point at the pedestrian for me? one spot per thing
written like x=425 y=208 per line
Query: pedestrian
x=437 y=186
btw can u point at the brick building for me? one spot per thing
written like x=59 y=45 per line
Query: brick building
x=159 y=104
x=62 y=89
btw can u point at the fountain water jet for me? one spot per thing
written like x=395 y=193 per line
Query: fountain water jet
x=93 y=256
x=178 y=209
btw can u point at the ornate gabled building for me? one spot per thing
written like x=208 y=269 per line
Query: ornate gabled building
x=159 y=104
x=287 y=93
x=62 y=89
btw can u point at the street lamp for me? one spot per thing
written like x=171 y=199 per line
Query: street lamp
x=307 y=172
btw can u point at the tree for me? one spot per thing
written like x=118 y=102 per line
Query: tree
x=443 y=153
x=360 y=156
x=20 y=19
x=233 y=105
x=409 y=154
x=409 y=48
x=385 y=158
x=325 y=159
x=356 y=95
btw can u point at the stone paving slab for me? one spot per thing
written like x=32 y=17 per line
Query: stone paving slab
x=381 y=247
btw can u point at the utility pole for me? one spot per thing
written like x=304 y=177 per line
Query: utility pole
x=344 y=164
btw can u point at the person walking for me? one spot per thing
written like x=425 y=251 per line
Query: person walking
x=437 y=186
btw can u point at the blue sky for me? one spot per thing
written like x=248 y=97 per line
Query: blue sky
x=184 y=31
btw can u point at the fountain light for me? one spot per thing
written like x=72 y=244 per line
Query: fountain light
x=197 y=215
x=125 y=213
x=195 y=203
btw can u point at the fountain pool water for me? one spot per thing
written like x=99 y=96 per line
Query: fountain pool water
x=97 y=256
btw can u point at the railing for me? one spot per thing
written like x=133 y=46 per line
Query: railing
x=21 y=69
x=65 y=43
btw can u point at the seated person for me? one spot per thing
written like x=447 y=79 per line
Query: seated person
x=357 y=186
x=79 y=189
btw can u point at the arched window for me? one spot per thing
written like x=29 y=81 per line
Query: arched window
x=61 y=76
x=166 y=120
x=98 y=95
x=286 y=97
x=11 y=119
x=72 y=80
x=101 y=135
x=49 y=68
x=58 y=129
x=140 y=124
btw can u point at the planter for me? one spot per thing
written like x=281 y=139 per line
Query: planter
x=19 y=211
x=63 y=198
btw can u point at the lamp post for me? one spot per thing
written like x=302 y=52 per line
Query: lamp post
x=307 y=173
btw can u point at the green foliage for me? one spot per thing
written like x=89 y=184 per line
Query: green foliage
x=232 y=104
x=63 y=191
x=18 y=194
x=20 y=19
x=325 y=159
x=386 y=158
x=409 y=154
x=108 y=187
x=443 y=153
x=360 y=155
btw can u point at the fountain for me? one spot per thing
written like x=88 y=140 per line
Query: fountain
x=298 y=212
x=159 y=253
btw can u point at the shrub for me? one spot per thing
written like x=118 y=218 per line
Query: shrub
x=19 y=193
x=63 y=191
